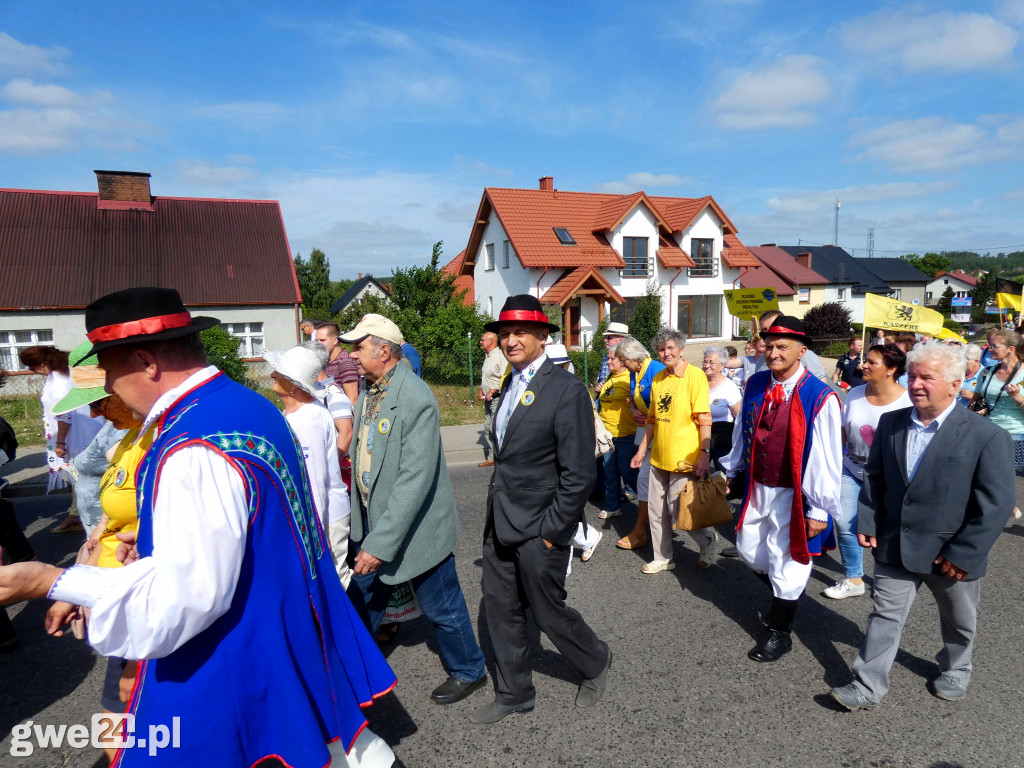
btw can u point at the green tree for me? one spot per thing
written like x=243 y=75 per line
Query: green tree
x=945 y=305
x=983 y=295
x=931 y=263
x=647 y=319
x=222 y=351
x=314 y=275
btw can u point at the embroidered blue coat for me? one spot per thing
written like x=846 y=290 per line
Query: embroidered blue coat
x=289 y=666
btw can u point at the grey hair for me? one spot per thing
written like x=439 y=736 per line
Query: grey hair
x=631 y=349
x=972 y=352
x=323 y=357
x=950 y=359
x=376 y=342
x=723 y=356
x=665 y=335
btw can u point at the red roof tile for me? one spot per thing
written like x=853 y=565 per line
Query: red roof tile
x=762 y=277
x=671 y=255
x=62 y=250
x=963 y=276
x=735 y=254
x=462 y=282
x=571 y=281
x=786 y=267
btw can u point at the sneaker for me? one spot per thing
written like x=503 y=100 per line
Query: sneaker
x=844 y=588
x=709 y=552
x=948 y=687
x=852 y=697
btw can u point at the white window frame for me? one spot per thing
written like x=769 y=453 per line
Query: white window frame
x=251 y=340
x=804 y=295
x=840 y=294
x=489 y=257
x=10 y=346
x=506 y=249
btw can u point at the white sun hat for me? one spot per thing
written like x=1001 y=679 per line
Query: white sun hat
x=300 y=366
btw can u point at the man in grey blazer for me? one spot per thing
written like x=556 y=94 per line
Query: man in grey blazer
x=543 y=473
x=403 y=509
x=938 y=488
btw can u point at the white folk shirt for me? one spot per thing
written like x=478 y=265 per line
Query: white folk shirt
x=824 y=463
x=153 y=606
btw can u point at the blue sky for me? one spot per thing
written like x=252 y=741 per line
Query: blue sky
x=377 y=125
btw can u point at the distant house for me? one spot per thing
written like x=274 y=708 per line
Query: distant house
x=360 y=288
x=849 y=280
x=961 y=283
x=592 y=256
x=462 y=282
x=62 y=250
x=906 y=282
x=799 y=287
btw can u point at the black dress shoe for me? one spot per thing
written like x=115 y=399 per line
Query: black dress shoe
x=452 y=690
x=493 y=712
x=772 y=645
x=593 y=688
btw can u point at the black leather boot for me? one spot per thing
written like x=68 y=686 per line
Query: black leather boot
x=776 y=640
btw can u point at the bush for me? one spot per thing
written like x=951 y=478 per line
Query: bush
x=828 y=321
x=222 y=351
x=594 y=359
x=646 y=321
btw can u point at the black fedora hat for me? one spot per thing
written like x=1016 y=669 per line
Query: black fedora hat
x=788 y=327
x=519 y=309
x=140 y=314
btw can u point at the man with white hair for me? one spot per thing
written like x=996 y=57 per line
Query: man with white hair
x=972 y=353
x=937 y=490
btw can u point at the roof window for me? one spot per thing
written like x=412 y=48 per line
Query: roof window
x=563 y=236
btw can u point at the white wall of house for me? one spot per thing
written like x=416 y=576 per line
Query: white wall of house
x=912 y=293
x=843 y=294
x=492 y=286
x=66 y=329
x=934 y=290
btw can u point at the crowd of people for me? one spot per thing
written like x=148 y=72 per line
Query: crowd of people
x=186 y=485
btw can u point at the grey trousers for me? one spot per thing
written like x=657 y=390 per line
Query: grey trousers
x=490 y=408
x=894 y=592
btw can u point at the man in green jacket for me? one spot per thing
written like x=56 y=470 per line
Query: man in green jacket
x=404 y=522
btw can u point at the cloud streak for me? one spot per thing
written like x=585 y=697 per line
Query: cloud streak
x=785 y=94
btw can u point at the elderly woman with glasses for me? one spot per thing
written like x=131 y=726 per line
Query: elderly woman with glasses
x=725 y=399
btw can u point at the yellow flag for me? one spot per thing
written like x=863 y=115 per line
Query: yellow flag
x=945 y=333
x=889 y=314
x=751 y=301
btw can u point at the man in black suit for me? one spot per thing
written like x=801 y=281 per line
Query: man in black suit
x=543 y=473
x=938 y=488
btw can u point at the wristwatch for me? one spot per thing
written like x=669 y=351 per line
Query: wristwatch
x=705 y=450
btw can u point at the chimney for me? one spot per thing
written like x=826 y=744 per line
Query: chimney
x=767 y=245
x=804 y=260
x=124 y=186
x=360 y=275
x=547 y=183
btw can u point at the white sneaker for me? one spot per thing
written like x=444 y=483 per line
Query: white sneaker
x=844 y=588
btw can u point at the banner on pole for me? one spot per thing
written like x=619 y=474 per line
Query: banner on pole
x=745 y=302
x=889 y=314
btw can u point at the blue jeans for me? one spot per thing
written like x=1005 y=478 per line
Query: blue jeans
x=616 y=469
x=440 y=597
x=846 y=529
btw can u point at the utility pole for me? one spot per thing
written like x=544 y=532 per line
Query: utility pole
x=835 y=226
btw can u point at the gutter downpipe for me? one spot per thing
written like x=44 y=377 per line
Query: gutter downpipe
x=541 y=278
x=670 y=295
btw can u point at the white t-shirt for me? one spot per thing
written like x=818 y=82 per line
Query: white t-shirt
x=723 y=397
x=314 y=427
x=860 y=419
x=338 y=404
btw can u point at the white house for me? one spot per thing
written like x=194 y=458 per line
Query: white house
x=593 y=255
x=961 y=283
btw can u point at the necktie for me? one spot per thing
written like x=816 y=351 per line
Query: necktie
x=776 y=397
x=514 y=393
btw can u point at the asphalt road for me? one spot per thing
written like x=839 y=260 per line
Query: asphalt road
x=682 y=691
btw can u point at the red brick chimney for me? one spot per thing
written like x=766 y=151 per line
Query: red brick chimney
x=124 y=186
x=804 y=260
x=547 y=183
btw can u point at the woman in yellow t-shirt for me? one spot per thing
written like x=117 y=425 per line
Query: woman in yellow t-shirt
x=614 y=411
x=679 y=433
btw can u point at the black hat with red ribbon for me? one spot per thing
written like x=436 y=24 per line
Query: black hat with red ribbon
x=140 y=314
x=521 y=308
x=788 y=327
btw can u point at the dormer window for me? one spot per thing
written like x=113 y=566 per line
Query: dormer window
x=704 y=261
x=563 y=236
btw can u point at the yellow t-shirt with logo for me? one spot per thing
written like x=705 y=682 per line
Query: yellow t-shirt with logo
x=615 y=400
x=117 y=493
x=675 y=403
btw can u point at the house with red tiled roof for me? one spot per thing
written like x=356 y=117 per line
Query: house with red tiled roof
x=961 y=283
x=62 y=250
x=798 y=287
x=462 y=282
x=592 y=255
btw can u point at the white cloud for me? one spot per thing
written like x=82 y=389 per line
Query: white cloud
x=816 y=201
x=943 y=41
x=24 y=91
x=934 y=144
x=206 y=174
x=1011 y=10
x=781 y=95
x=637 y=181
x=51 y=131
x=17 y=58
